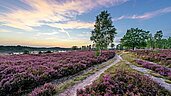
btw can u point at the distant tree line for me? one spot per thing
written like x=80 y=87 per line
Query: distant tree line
x=27 y=49
x=88 y=47
x=140 y=39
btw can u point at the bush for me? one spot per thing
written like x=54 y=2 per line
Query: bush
x=97 y=52
x=26 y=52
x=155 y=67
x=161 y=57
x=47 y=89
x=48 y=51
x=40 y=52
x=124 y=83
x=17 y=84
x=40 y=69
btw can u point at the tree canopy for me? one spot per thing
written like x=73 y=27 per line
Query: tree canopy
x=158 y=39
x=138 y=38
x=135 y=38
x=104 y=31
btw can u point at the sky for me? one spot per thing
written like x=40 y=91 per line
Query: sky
x=65 y=23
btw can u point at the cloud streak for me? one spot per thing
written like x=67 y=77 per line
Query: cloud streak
x=145 y=16
x=73 y=25
x=51 y=11
x=62 y=30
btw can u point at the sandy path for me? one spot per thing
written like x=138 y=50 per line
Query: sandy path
x=160 y=81
x=72 y=91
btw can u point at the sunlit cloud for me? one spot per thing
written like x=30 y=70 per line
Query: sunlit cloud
x=48 y=42
x=46 y=34
x=73 y=25
x=4 y=31
x=54 y=34
x=145 y=16
x=51 y=11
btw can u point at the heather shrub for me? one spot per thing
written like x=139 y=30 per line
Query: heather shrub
x=161 y=57
x=22 y=73
x=123 y=83
x=155 y=67
x=47 y=89
x=17 y=84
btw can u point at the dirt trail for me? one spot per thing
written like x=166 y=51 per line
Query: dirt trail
x=72 y=91
x=159 y=80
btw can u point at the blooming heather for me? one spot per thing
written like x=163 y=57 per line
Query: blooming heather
x=162 y=57
x=155 y=67
x=46 y=90
x=124 y=83
x=20 y=73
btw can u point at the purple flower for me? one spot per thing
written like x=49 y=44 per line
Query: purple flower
x=29 y=71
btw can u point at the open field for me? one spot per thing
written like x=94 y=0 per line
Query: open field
x=121 y=80
x=22 y=75
x=125 y=78
x=66 y=73
x=162 y=56
x=85 y=47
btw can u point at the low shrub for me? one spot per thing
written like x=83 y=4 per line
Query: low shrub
x=123 y=83
x=155 y=67
x=47 y=89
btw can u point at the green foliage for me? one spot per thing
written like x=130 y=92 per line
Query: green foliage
x=40 y=52
x=150 y=41
x=169 y=42
x=112 y=46
x=119 y=47
x=26 y=52
x=158 y=42
x=158 y=39
x=97 y=53
x=48 y=51
x=74 y=48
x=88 y=47
x=158 y=35
x=104 y=32
x=135 y=38
x=164 y=43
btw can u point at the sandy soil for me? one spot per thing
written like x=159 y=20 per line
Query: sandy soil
x=72 y=91
x=160 y=81
x=89 y=80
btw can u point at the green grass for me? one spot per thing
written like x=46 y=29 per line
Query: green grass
x=159 y=76
x=156 y=75
x=130 y=57
x=61 y=87
x=67 y=84
x=168 y=81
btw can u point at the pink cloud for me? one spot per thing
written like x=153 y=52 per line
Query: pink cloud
x=147 y=15
x=51 y=11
